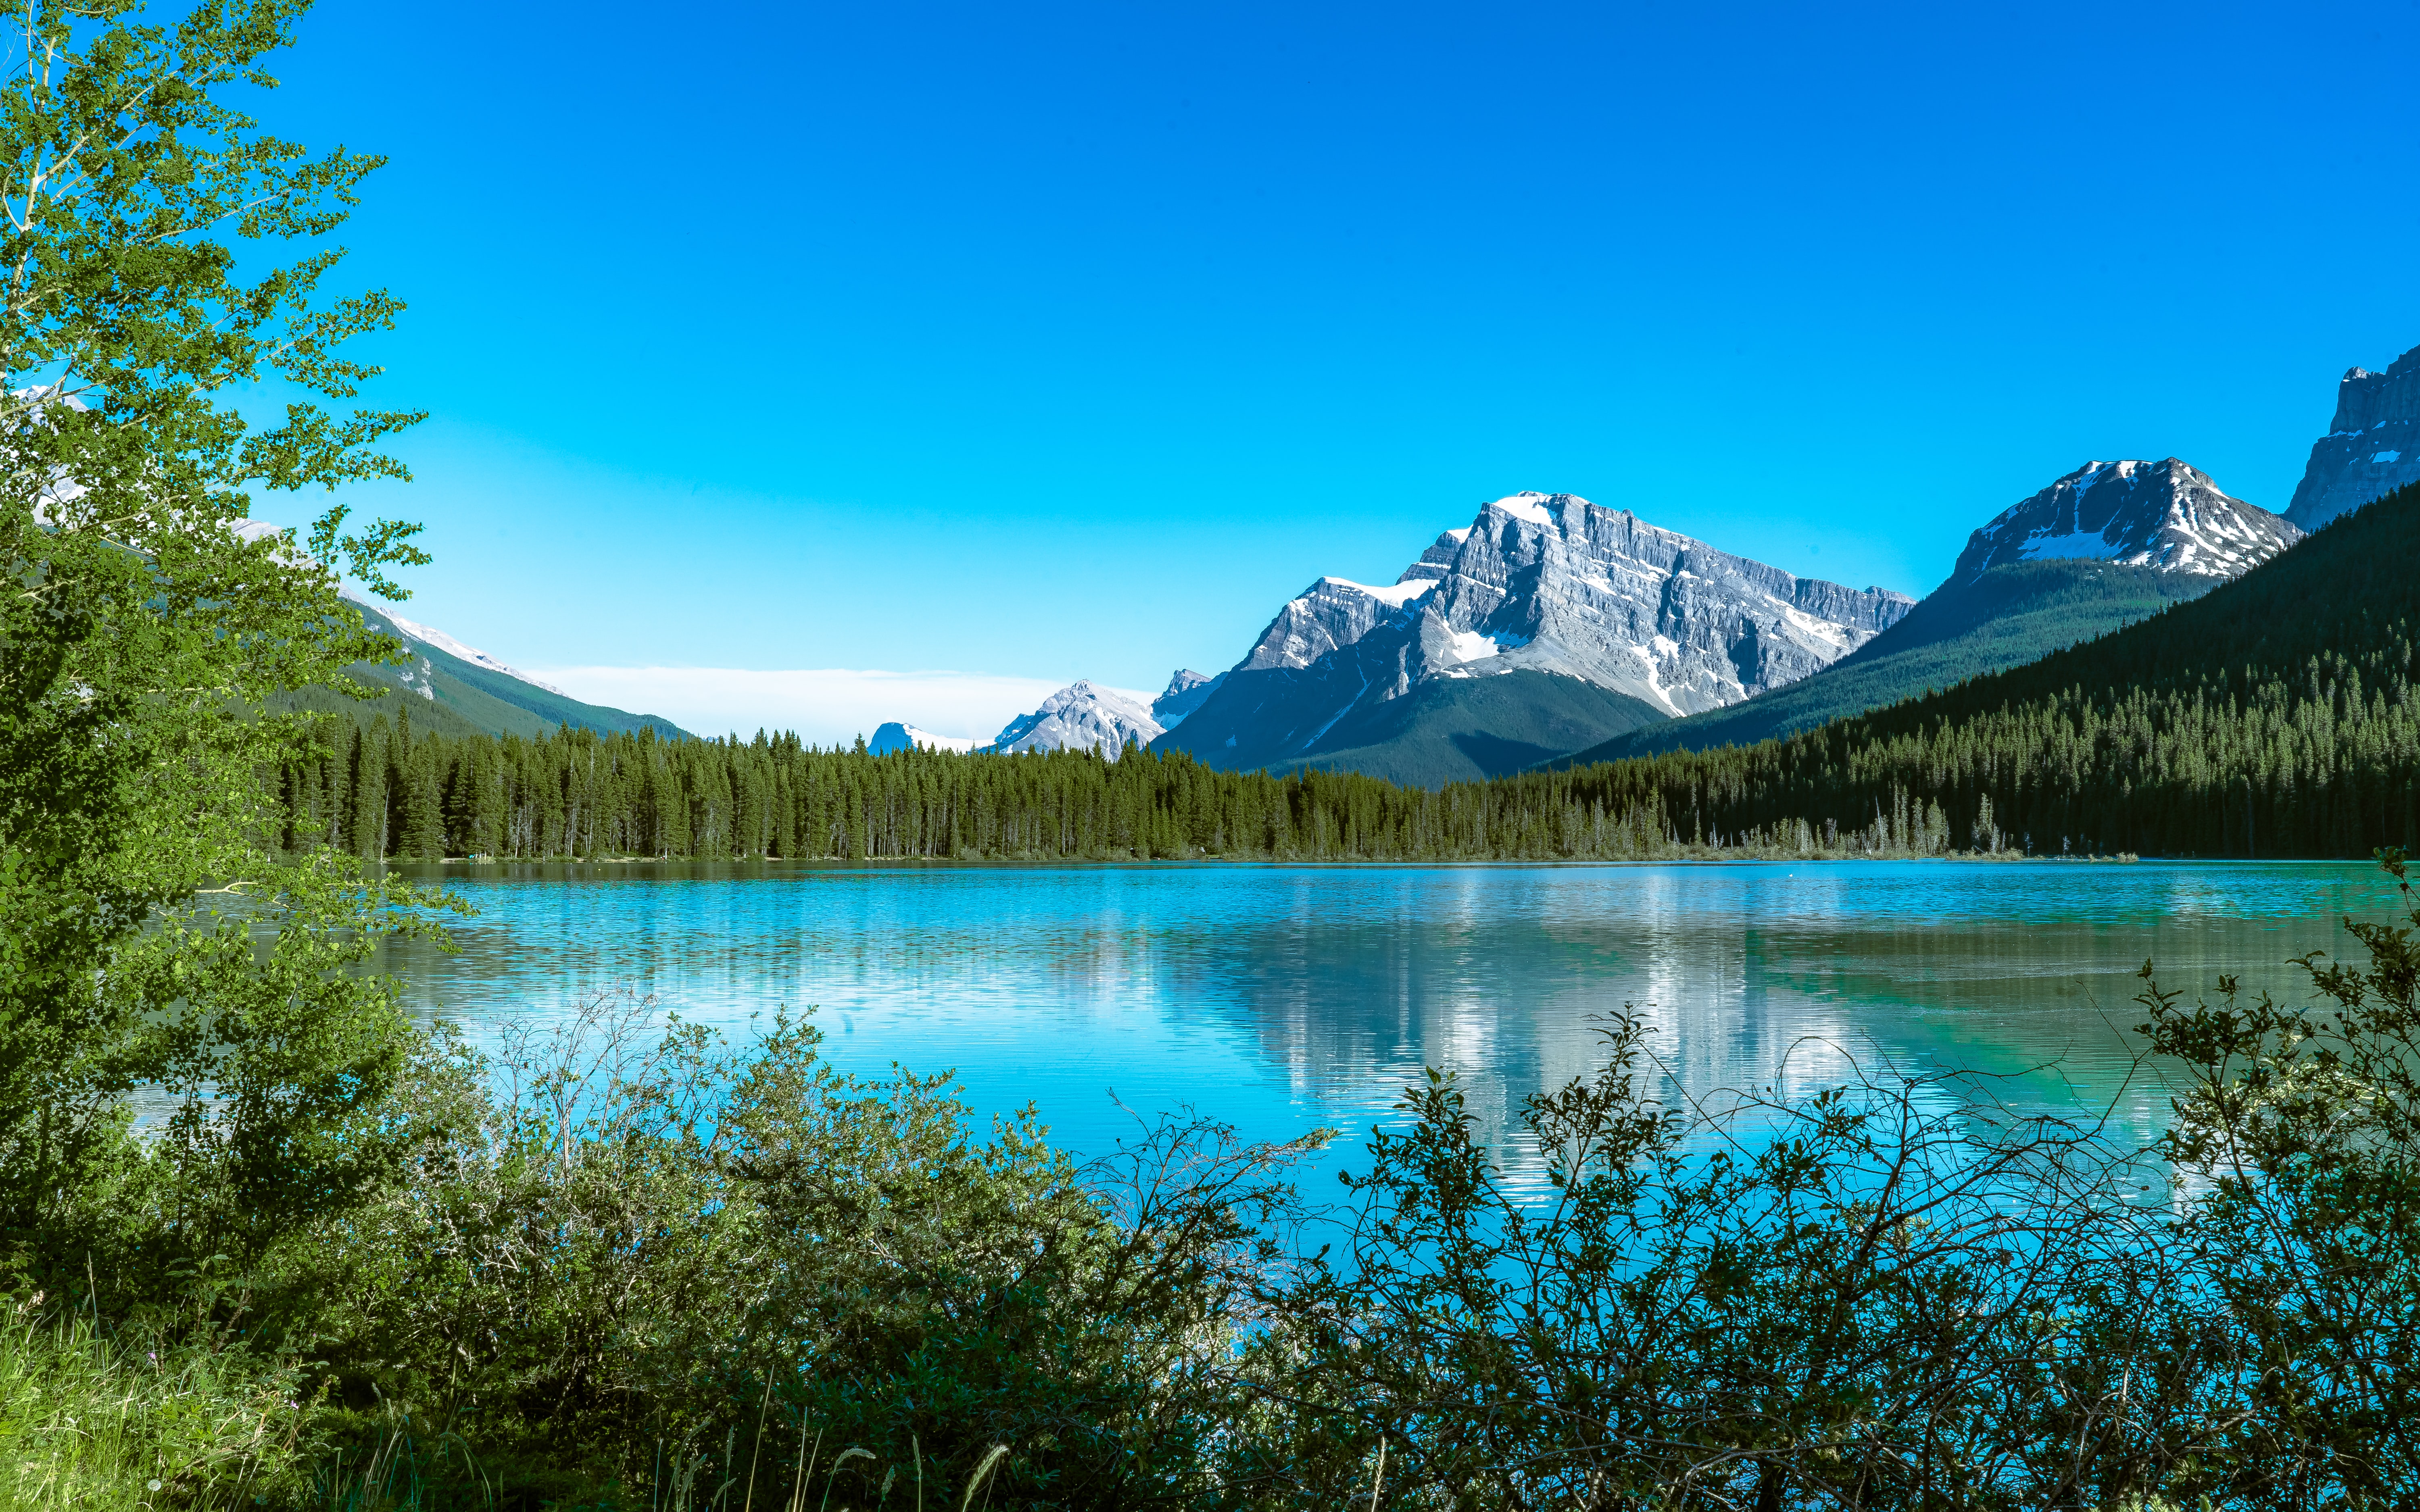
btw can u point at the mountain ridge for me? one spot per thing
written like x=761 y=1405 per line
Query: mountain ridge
x=2103 y=545
x=486 y=694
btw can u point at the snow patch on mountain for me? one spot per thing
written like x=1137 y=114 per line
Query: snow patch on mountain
x=1529 y=507
x=2166 y=515
x=1394 y=594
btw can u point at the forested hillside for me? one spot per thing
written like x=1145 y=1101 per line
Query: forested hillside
x=2275 y=718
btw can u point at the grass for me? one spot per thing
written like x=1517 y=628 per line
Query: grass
x=87 y=1421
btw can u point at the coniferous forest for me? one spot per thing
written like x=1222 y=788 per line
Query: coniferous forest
x=2275 y=718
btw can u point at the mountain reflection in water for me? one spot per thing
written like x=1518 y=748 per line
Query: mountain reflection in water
x=1285 y=998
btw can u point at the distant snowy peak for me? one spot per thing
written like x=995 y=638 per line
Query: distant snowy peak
x=2165 y=514
x=427 y=637
x=2372 y=448
x=1186 y=692
x=896 y=736
x=1083 y=717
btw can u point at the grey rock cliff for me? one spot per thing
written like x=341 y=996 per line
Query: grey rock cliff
x=2166 y=515
x=2372 y=448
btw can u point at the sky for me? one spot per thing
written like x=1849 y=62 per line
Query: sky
x=790 y=363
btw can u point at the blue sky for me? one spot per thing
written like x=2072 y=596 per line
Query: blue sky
x=1044 y=341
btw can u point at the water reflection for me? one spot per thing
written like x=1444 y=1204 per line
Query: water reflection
x=1280 y=998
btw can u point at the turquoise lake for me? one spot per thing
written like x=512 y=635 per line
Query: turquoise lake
x=1282 y=999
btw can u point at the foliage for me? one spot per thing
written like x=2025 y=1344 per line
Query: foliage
x=615 y=1250
x=400 y=792
x=149 y=935
x=2300 y=1134
x=1868 y=1298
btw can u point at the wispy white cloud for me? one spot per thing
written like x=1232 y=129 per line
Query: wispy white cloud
x=825 y=705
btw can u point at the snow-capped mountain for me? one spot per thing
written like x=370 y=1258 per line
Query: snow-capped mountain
x=2371 y=450
x=1554 y=583
x=2166 y=515
x=1539 y=583
x=1083 y=716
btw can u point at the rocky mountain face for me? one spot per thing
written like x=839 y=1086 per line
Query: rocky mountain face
x=440 y=640
x=2372 y=448
x=477 y=691
x=1539 y=583
x=1331 y=613
x=1081 y=717
x=1186 y=692
x=2165 y=514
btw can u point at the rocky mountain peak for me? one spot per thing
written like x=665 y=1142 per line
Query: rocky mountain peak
x=2370 y=450
x=1084 y=716
x=2167 y=515
x=1186 y=692
x=1552 y=582
x=1434 y=562
x=1541 y=583
x=1331 y=612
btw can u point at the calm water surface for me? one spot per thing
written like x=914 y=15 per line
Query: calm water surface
x=1282 y=999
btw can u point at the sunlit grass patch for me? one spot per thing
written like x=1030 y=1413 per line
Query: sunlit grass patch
x=90 y=1422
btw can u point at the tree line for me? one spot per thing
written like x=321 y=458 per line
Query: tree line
x=383 y=791
x=2274 y=716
